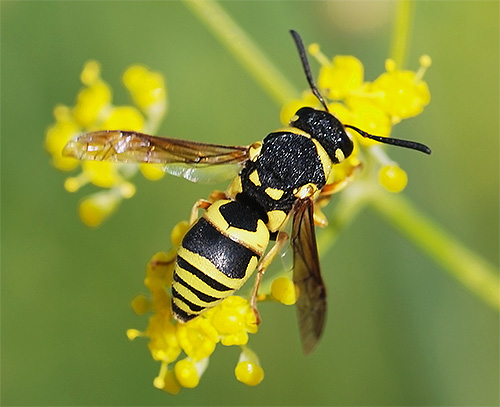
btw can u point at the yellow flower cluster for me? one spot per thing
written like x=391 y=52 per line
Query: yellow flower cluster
x=229 y=324
x=371 y=106
x=94 y=110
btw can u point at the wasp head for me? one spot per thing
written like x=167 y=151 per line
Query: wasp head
x=325 y=128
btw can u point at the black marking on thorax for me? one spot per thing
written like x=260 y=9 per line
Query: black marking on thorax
x=287 y=161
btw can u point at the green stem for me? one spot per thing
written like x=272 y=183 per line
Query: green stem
x=351 y=202
x=476 y=274
x=243 y=49
x=401 y=32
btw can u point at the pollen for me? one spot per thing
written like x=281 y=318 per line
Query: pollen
x=249 y=373
x=141 y=305
x=401 y=93
x=146 y=87
x=197 y=338
x=393 y=178
x=73 y=184
x=91 y=73
x=124 y=118
x=102 y=174
x=315 y=50
x=167 y=381
x=134 y=333
x=58 y=135
x=152 y=172
x=159 y=273
x=186 y=374
x=344 y=75
x=234 y=319
x=127 y=190
x=91 y=102
x=283 y=290
x=163 y=343
x=98 y=207
x=371 y=118
x=178 y=232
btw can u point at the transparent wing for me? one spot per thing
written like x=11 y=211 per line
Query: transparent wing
x=188 y=159
x=311 y=302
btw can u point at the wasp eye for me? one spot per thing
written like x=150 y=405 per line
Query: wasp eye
x=344 y=148
x=339 y=155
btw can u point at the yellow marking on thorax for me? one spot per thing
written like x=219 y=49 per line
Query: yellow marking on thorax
x=254 y=150
x=274 y=193
x=254 y=177
x=234 y=187
x=276 y=220
x=339 y=155
x=325 y=159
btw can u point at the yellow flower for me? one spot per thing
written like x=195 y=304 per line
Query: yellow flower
x=342 y=77
x=57 y=135
x=283 y=290
x=97 y=207
x=123 y=118
x=248 y=369
x=249 y=373
x=94 y=110
x=393 y=178
x=188 y=372
x=164 y=344
x=147 y=88
x=233 y=319
x=401 y=94
x=197 y=338
x=373 y=107
x=91 y=104
x=167 y=381
x=367 y=116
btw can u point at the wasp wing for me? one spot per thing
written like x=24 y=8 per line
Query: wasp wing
x=311 y=301
x=180 y=157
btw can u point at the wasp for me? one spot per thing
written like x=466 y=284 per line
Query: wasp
x=276 y=181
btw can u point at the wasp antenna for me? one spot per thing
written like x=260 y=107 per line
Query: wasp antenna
x=307 y=68
x=394 y=141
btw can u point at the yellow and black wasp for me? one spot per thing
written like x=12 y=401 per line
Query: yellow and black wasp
x=276 y=180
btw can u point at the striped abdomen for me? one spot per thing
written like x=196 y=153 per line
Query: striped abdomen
x=217 y=256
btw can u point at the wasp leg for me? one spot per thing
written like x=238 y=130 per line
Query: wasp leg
x=264 y=263
x=162 y=263
x=337 y=186
x=205 y=204
x=324 y=199
x=326 y=195
x=199 y=204
x=217 y=195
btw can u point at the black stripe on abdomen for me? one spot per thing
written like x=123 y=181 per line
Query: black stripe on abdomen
x=229 y=257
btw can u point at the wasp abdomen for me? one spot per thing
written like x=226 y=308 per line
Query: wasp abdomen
x=217 y=256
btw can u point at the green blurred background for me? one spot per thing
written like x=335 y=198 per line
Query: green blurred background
x=400 y=330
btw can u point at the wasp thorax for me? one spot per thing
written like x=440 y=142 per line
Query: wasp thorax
x=325 y=128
